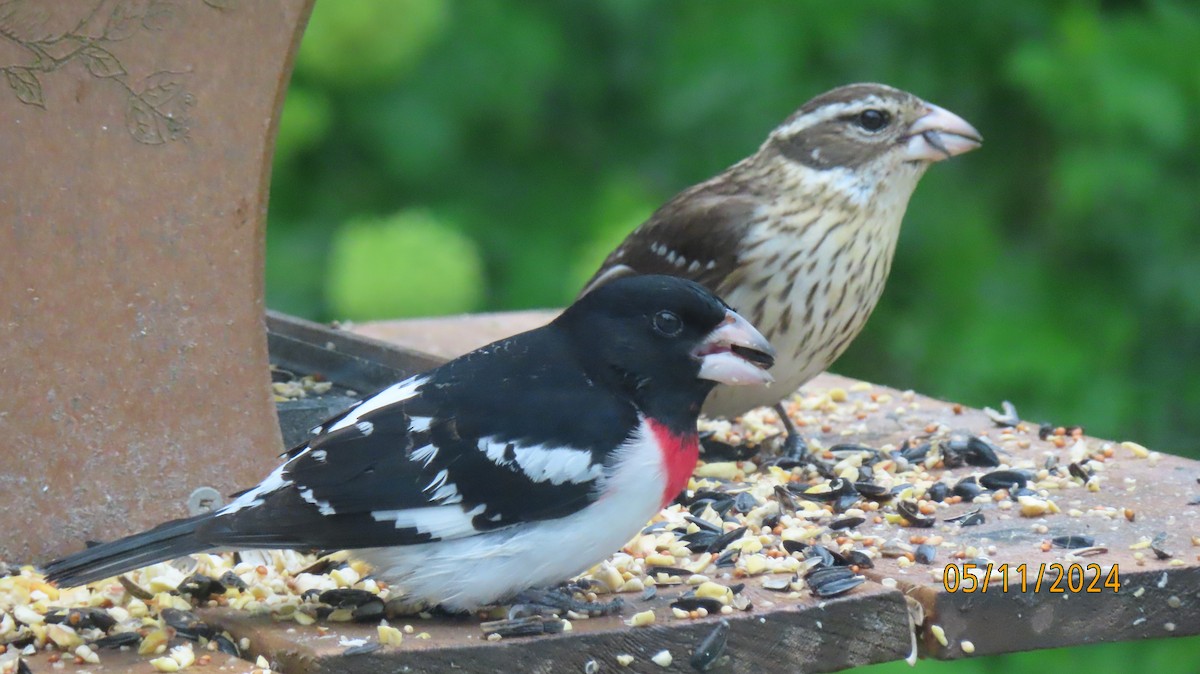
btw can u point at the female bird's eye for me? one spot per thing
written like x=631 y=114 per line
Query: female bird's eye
x=667 y=323
x=873 y=120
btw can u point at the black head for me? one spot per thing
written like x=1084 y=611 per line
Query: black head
x=665 y=341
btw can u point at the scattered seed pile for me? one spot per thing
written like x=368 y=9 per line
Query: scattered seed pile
x=286 y=385
x=801 y=528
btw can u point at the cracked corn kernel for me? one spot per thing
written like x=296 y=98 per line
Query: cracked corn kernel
x=183 y=655
x=662 y=658
x=165 y=664
x=939 y=634
x=1138 y=450
x=624 y=659
x=641 y=619
x=388 y=635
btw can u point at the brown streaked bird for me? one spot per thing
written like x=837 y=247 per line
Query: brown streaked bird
x=799 y=236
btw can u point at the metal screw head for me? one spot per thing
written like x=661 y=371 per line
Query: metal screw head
x=204 y=500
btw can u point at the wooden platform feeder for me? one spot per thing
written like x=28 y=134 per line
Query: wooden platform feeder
x=135 y=370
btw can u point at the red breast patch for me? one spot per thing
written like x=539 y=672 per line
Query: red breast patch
x=680 y=453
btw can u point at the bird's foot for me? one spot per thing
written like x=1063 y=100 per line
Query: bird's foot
x=794 y=448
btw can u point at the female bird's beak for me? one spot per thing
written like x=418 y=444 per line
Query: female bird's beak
x=939 y=134
x=735 y=354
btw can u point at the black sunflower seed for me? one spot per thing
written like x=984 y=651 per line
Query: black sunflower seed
x=721 y=542
x=520 y=627
x=822 y=553
x=971 y=450
x=1156 y=545
x=925 y=553
x=846 y=523
x=698 y=541
x=1078 y=471
x=231 y=579
x=845 y=502
x=1004 y=479
x=938 y=492
x=860 y=559
x=744 y=502
x=968 y=519
x=778 y=583
x=715 y=450
x=873 y=492
x=833 y=581
x=728 y=558
x=710 y=648
x=346 y=598
x=703 y=523
x=1073 y=541
x=967 y=488
x=135 y=589
x=227 y=645
x=116 y=640
x=691 y=602
x=669 y=570
x=914 y=453
x=200 y=586
x=82 y=618
x=784 y=496
x=187 y=624
x=368 y=612
x=795 y=546
x=911 y=512
x=362 y=649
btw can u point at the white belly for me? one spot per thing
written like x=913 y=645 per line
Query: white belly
x=464 y=573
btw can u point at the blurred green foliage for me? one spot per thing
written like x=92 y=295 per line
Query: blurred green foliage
x=1058 y=267
x=446 y=277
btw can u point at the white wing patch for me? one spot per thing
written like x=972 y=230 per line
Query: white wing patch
x=448 y=521
x=388 y=396
x=555 y=465
x=425 y=454
x=274 y=482
x=323 y=506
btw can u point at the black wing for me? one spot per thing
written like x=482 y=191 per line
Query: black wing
x=474 y=446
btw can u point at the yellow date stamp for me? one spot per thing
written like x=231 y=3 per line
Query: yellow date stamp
x=1056 y=578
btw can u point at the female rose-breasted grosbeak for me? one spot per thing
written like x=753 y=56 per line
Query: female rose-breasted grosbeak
x=799 y=236
x=515 y=466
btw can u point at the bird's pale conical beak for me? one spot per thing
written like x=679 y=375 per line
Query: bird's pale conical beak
x=736 y=354
x=940 y=134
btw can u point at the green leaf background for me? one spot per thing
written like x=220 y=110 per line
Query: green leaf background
x=438 y=156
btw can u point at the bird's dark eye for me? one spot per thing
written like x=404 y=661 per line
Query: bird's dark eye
x=667 y=323
x=873 y=120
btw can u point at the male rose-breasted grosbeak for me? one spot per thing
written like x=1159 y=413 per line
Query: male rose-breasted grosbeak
x=799 y=236
x=515 y=466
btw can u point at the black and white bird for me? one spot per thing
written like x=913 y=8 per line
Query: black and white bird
x=515 y=466
x=799 y=236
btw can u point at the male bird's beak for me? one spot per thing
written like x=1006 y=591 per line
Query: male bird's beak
x=939 y=134
x=735 y=354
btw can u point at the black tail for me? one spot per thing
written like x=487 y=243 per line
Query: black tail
x=166 y=541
